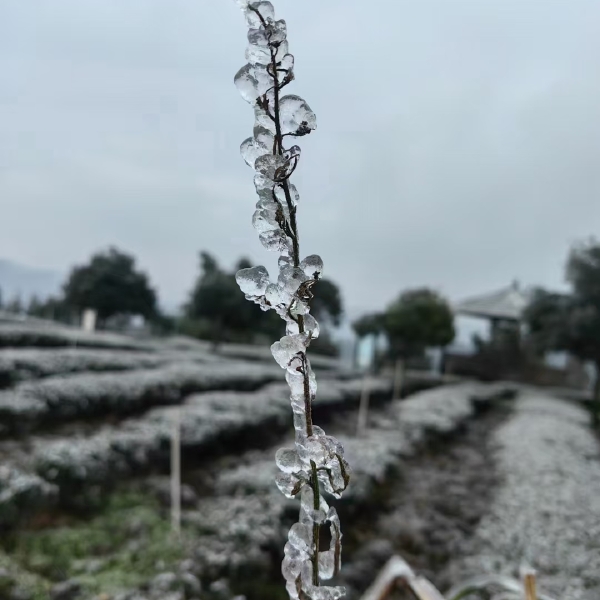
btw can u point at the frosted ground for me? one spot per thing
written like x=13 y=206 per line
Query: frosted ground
x=455 y=478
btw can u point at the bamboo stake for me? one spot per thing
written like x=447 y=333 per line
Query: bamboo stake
x=176 y=474
x=529 y=585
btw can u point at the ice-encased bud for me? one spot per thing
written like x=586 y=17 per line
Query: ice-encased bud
x=299 y=308
x=264 y=118
x=296 y=380
x=310 y=326
x=313 y=266
x=288 y=348
x=263 y=186
x=290 y=484
x=266 y=10
x=258 y=55
x=291 y=278
x=270 y=165
x=274 y=295
x=292 y=156
x=308 y=510
x=253 y=281
x=251 y=149
x=287 y=460
x=326 y=592
x=285 y=261
x=252 y=81
x=274 y=240
x=286 y=63
x=264 y=220
x=272 y=35
x=262 y=54
x=265 y=137
x=300 y=537
x=292 y=563
x=297 y=118
x=282 y=197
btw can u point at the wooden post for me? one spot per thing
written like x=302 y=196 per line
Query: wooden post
x=176 y=474
x=398 y=379
x=363 y=408
x=529 y=586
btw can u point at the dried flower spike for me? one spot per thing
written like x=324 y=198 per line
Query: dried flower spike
x=317 y=460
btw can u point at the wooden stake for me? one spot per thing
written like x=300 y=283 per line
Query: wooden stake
x=398 y=379
x=176 y=474
x=529 y=585
x=363 y=407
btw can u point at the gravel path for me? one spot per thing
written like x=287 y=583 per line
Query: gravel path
x=546 y=513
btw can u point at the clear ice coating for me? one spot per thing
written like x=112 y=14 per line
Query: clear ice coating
x=253 y=281
x=253 y=81
x=258 y=11
x=296 y=116
x=316 y=462
x=312 y=266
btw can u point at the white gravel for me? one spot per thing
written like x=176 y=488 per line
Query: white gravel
x=547 y=511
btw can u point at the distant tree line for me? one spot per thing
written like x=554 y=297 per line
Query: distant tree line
x=571 y=322
x=111 y=284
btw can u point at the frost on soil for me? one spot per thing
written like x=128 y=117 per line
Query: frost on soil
x=546 y=514
x=317 y=460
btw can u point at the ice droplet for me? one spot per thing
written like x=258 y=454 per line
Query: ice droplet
x=251 y=149
x=263 y=186
x=274 y=294
x=262 y=54
x=288 y=348
x=326 y=592
x=299 y=308
x=289 y=485
x=310 y=326
x=313 y=266
x=281 y=196
x=286 y=63
x=253 y=281
x=278 y=31
x=307 y=505
x=264 y=118
x=264 y=220
x=272 y=35
x=274 y=240
x=270 y=165
x=297 y=118
x=287 y=460
x=292 y=563
x=284 y=261
x=265 y=9
x=263 y=136
x=252 y=81
x=300 y=537
x=326 y=564
x=300 y=418
x=291 y=278
x=258 y=55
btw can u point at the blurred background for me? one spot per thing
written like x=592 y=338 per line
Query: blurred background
x=451 y=190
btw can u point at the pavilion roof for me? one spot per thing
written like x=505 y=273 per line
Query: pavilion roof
x=508 y=303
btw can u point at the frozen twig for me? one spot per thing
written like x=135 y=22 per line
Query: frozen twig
x=317 y=460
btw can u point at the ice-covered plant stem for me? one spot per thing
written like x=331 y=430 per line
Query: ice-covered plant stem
x=316 y=464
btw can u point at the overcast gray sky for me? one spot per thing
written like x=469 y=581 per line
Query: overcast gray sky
x=458 y=142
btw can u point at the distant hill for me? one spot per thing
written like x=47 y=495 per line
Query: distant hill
x=16 y=279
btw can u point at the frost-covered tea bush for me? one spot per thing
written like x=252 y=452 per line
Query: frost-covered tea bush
x=34 y=404
x=317 y=460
